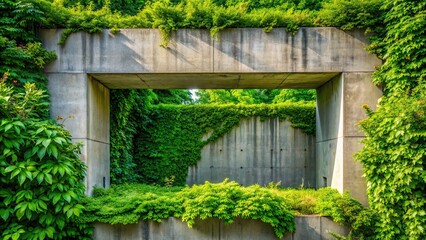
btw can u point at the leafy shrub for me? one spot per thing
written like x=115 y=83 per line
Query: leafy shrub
x=40 y=171
x=227 y=200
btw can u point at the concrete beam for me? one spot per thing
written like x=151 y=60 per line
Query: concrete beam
x=242 y=58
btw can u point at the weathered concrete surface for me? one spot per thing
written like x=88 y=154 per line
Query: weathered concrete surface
x=259 y=152
x=307 y=228
x=242 y=58
x=339 y=109
x=84 y=104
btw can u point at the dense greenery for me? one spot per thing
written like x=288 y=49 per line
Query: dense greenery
x=40 y=171
x=172 y=140
x=394 y=153
x=254 y=96
x=215 y=15
x=130 y=203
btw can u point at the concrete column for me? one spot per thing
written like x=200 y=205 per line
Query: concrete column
x=83 y=103
x=339 y=109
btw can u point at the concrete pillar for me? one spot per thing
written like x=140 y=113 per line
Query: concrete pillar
x=339 y=109
x=83 y=103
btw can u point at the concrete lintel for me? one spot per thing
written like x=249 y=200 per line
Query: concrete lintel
x=213 y=80
x=246 y=50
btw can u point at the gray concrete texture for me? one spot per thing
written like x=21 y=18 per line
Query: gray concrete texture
x=84 y=104
x=241 y=58
x=259 y=152
x=339 y=109
x=307 y=228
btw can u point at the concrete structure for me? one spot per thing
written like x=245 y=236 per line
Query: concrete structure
x=259 y=152
x=243 y=58
x=307 y=227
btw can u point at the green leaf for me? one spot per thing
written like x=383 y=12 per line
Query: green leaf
x=14 y=173
x=54 y=150
x=46 y=142
x=21 y=178
x=40 y=178
x=7 y=127
x=48 y=178
x=20 y=124
x=4 y=213
x=67 y=197
x=56 y=198
x=9 y=169
x=50 y=231
x=41 y=152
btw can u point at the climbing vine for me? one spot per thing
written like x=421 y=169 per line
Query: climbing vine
x=394 y=155
x=172 y=140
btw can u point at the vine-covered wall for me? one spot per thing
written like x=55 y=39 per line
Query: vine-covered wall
x=172 y=140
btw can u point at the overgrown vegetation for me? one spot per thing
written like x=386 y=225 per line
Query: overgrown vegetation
x=215 y=15
x=130 y=203
x=394 y=153
x=40 y=171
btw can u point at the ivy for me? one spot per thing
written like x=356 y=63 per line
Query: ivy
x=394 y=156
x=172 y=139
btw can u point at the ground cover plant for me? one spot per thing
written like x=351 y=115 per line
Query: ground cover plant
x=129 y=203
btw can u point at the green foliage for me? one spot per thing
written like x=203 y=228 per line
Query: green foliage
x=24 y=63
x=19 y=19
x=405 y=48
x=172 y=140
x=245 y=96
x=227 y=201
x=394 y=164
x=394 y=153
x=295 y=95
x=172 y=96
x=349 y=14
x=40 y=171
x=129 y=203
x=215 y=15
x=128 y=114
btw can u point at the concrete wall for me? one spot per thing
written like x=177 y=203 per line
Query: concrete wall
x=339 y=109
x=84 y=104
x=307 y=228
x=195 y=51
x=259 y=152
